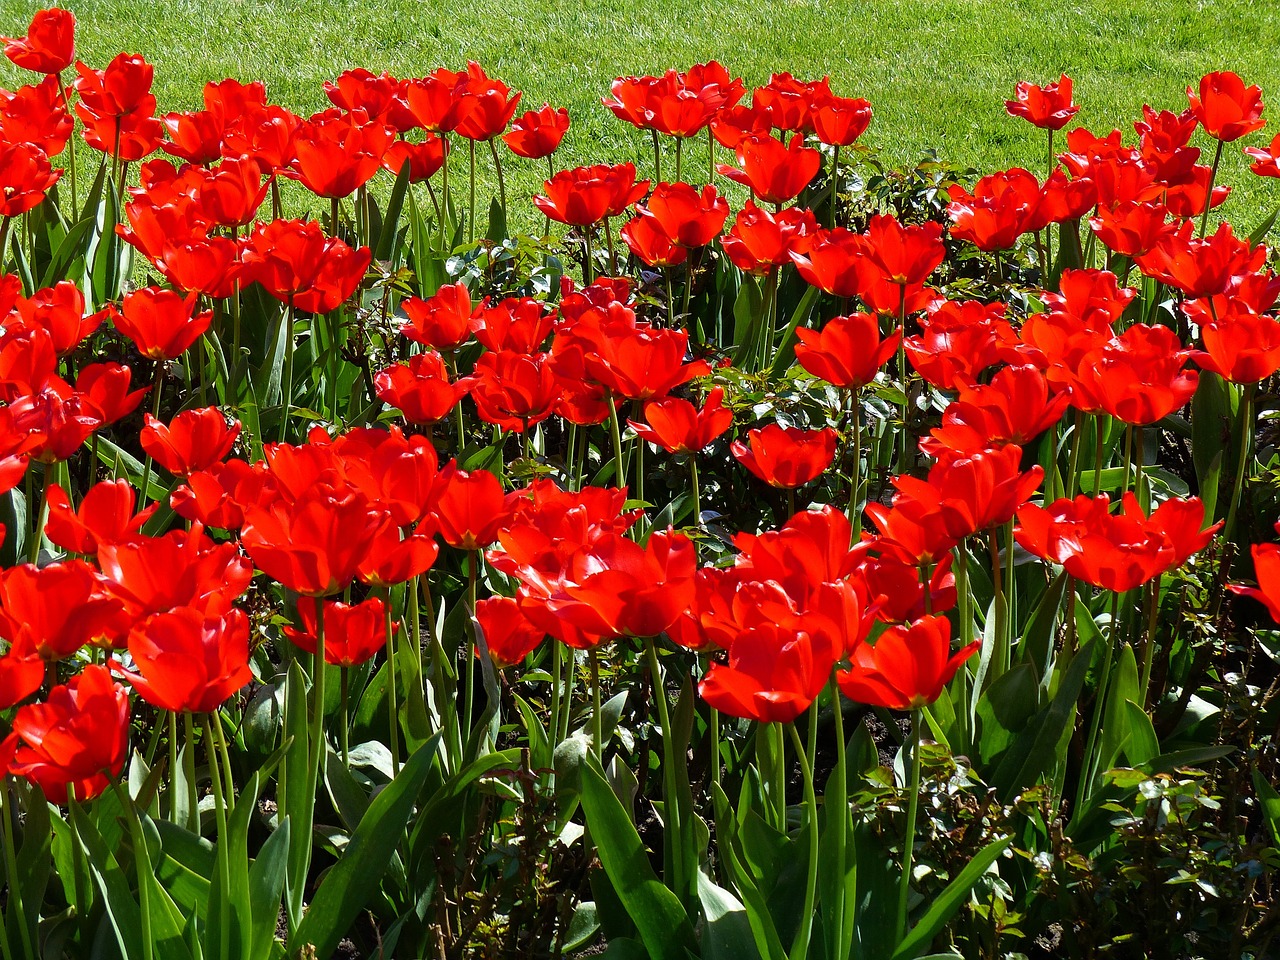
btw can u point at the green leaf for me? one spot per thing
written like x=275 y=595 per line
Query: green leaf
x=1037 y=640
x=391 y=222
x=656 y=911
x=727 y=933
x=297 y=802
x=350 y=883
x=1262 y=229
x=1141 y=746
x=787 y=346
x=266 y=883
x=945 y=905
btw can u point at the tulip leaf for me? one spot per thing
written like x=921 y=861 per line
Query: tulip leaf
x=1037 y=645
x=266 y=883
x=1261 y=230
x=297 y=802
x=390 y=228
x=727 y=934
x=656 y=911
x=121 y=908
x=945 y=904
x=349 y=884
x=1141 y=745
x=787 y=345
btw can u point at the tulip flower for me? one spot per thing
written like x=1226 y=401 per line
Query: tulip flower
x=59 y=310
x=1202 y=267
x=773 y=675
x=381 y=96
x=442 y=321
x=298 y=265
x=586 y=195
x=25 y=177
x=775 y=172
x=538 y=133
x=507 y=633
x=105 y=387
x=232 y=193
x=37 y=115
x=999 y=210
x=58 y=424
x=470 y=507
x=194 y=440
x=691 y=218
x=840 y=121
x=105 y=516
x=185 y=661
x=1241 y=347
x=1266 y=162
x=76 y=742
x=56 y=609
x=314 y=544
x=1139 y=377
x=1114 y=551
x=353 y=632
x=1132 y=228
x=1225 y=107
x=958 y=341
x=970 y=493
x=677 y=426
x=183 y=568
x=423 y=159
x=1048 y=107
x=907 y=254
x=759 y=239
x=847 y=352
x=786 y=457
x=21 y=673
x=789 y=102
x=1266 y=568
x=646 y=238
x=421 y=388
x=906 y=667
x=519 y=324
x=482 y=106
x=48 y=47
x=162 y=324
x=335 y=154
x=195 y=137
x=1014 y=408
x=513 y=390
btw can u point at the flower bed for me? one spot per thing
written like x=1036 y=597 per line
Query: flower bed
x=775 y=556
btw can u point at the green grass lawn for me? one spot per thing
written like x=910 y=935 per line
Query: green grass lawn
x=936 y=71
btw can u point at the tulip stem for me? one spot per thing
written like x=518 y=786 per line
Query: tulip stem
x=502 y=185
x=835 y=186
x=597 y=724
x=468 y=689
x=711 y=156
x=615 y=432
x=679 y=155
x=471 y=196
x=837 y=805
x=43 y=516
x=1208 y=192
x=1149 y=644
x=220 y=851
x=1097 y=456
x=173 y=766
x=903 y=466
x=4 y=238
x=964 y=597
x=800 y=945
x=1242 y=462
x=286 y=396
x=1001 y=658
x=1088 y=768
x=557 y=680
x=697 y=498
x=657 y=157
x=855 y=469
x=671 y=830
x=156 y=388
x=586 y=263
x=344 y=682
x=909 y=839
x=189 y=773
x=11 y=869
x=613 y=254
x=315 y=735
x=142 y=867
x=392 y=694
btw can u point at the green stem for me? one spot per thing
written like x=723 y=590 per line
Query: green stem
x=1087 y=771
x=221 y=852
x=615 y=433
x=344 y=683
x=679 y=155
x=471 y=196
x=140 y=863
x=315 y=735
x=711 y=156
x=597 y=724
x=855 y=470
x=587 y=266
x=173 y=766
x=1152 y=593
x=286 y=396
x=392 y=693
x=800 y=945
x=1001 y=658
x=613 y=254
x=11 y=869
x=156 y=388
x=835 y=182
x=909 y=839
x=837 y=805
x=697 y=495
x=189 y=773
x=657 y=158
x=672 y=827
x=1242 y=462
x=502 y=185
x=43 y=516
x=1208 y=193
x=224 y=756
x=964 y=595
x=468 y=689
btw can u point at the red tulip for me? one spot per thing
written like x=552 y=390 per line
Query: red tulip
x=690 y=217
x=105 y=516
x=789 y=102
x=677 y=426
x=470 y=507
x=958 y=341
x=775 y=172
x=969 y=492
x=482 y=106
x=194 y=440
x=1226 y=108
x=48 y=47
x=759 y=239
x=195 y=137
x=840 y=121
x=1266 y=568
x=1132 y=228
x=1000 y=209
x=538 y=133
x=442 y=321
x=586 y=195
x=297 y=264
x=59 y=310
x=421 y=388
x=424 y=158
x=25 y=177
x=907 y=254
x=76 y=742
x=906 y=668
x=161 y=323
x=56 y=609
x=213 y=497
x=36 y=114
x=185 y=661
x=353 y=633
x=514 y=390
x=21 y=673
x=1015 y=408
x=233 y=191
x=105 y=387
x=261 y=133
x=1241 y=347
x=183 y=568
x=1266 y=162
x=1139 y=377
x=59 y=418
x=1114 y=551
x=521 y=324
x=633 y=360
x=314 y=544
x=335 y=154
x=431 y=100
x=1201 y=267
x=847 y=352
x=786 y=457
x=1048 y=107
x=773 y=675
x=646 y=238
x=507 y=633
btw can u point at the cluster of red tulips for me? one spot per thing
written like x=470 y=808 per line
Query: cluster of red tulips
x=1003 y=422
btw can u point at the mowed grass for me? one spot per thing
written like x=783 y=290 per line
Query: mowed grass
x=936 y=71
